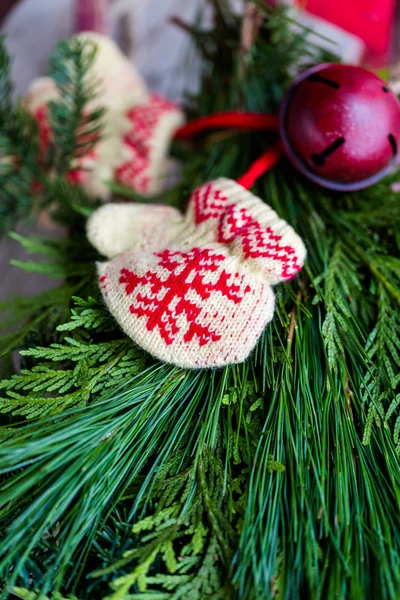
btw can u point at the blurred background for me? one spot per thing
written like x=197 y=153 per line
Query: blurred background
x=142 y=28
x=360 y=31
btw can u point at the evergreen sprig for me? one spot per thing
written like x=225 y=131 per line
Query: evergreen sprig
x=75 y=128
x=70 y=373
x=342 y=288
x=30 y=181
x=320 y=418
x=120 y=437
x=18 y=151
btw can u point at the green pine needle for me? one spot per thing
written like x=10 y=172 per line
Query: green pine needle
x=75 y=130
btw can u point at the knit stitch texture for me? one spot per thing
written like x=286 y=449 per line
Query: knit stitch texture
x=195 y=290
x=138 y=126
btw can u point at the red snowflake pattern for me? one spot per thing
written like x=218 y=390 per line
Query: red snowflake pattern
x=167 y=299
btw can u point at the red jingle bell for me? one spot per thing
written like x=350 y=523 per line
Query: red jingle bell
x=340 y=126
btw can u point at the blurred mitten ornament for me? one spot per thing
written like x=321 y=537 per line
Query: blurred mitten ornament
x=137 y=128
x=195 y=290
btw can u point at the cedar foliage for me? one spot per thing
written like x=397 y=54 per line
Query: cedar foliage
x=278 y=478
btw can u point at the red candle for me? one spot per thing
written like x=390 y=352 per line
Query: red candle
x=370 y=20
x=91 y=15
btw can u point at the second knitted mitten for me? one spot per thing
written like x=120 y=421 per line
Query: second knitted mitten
x=138 y=126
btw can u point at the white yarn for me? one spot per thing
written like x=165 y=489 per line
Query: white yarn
x=195 y=290
x=116 y=228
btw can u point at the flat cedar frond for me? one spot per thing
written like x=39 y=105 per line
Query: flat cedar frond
x=88 y=314
x=277 y=478
x=382 y=381
x=342 y=287
x=189 y=542
x=71 y=373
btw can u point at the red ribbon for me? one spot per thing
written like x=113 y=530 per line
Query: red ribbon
x=234 y=119
x=263 y=164
x=239 y=120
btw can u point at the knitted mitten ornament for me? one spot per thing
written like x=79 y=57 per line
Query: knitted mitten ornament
x=138 y=126
x=195 y=290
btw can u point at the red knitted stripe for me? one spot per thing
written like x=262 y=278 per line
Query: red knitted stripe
x=209 y=203
x=263 y=249
x=136 y=172
x=257 y=242
x=228 y=234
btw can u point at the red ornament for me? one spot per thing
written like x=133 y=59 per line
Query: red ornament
x=340 y=126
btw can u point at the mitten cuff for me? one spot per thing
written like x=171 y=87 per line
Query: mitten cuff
x=116 y=228
x=223 y=211
x=255 y=233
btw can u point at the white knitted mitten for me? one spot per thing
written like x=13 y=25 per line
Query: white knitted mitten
x=195 y=290
x=138 y=126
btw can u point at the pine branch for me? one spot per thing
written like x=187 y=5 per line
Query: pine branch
x=75 y=129
x=6 y=87
x=128 y=423
x=18 y=139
